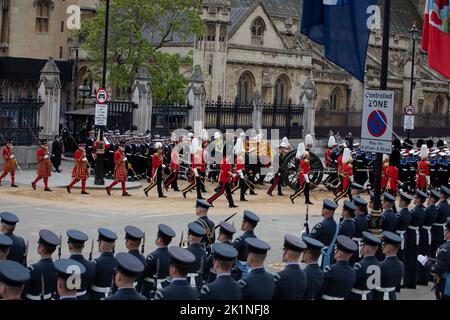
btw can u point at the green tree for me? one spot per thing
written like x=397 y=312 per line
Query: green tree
x=138 y=30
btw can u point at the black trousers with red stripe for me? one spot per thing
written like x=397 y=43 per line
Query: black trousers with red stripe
x=172 y=180
x=225 y=187
x=276 y=181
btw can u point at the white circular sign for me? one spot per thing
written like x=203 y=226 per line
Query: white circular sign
x=410 y=110
x=101 y=96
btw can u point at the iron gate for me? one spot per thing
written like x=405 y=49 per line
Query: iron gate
x=169 y=116
x=120 y=115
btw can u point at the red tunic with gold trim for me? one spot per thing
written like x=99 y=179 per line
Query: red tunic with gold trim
x=239 y=166
x=423 y=170
x=175 y=159
x=305 y=168
x=225 y=171
x=157 y=162
x=392 y=178
x=81 y=169
x=384 y=175
x=44 y=165
x=347 y=172
x=198 y=160
x=9 y=164
x=120 y=170
x=328 y=158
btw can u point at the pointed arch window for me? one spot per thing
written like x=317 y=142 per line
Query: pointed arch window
x=245 y=88
x=335 y=99
x=257 y=29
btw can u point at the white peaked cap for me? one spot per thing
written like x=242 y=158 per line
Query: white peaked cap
x=309 y=140
x=284 y=142
x=239 y=147
x=346 y=157
x=423 y=151
x=158 y=145
x=331 y=141
x=301 y=150
x=190 y=135
x=194 y=146
x=204 y=135
x=217 y=135
x=385 y=157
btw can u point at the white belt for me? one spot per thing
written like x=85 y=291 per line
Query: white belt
x=428 y=228
x=402 y=235
x=192 y=277
x=363 y=293
x=32 y=297
x=158 y=282
x=359 y=241
x=327 y=297
x=439 y=224
x=416 y=229
x=104 y=290
x=81 y=293
x=385 y=291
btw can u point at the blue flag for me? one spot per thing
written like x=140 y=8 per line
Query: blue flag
x=342 y=27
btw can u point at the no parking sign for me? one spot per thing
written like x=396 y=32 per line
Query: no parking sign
x=377 y=121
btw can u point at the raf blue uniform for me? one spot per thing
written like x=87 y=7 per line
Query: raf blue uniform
x=104 y=268
x=13 y=273
x=17 y=251
x=340 y=277
x=259 y=284
x=5 y=242
x=179 y=288
x=403 y=221
x=224 y=287
x=437 y=230
x=195 y=276
x=364 y=269
x=314 y=275
x=135 y=234
x=157 y=264
x=43 y=271
x=65 y=268
x=361 y=225
x=290 y=284
x=132 y=267
x=388 y=217
x=347 y=226
x=75 y=236
x=391 y=269
x=210 y=237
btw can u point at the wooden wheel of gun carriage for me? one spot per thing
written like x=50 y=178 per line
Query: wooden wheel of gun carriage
x=290 y=167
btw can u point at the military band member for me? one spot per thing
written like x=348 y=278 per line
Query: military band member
x=120 y=170
x=249 y=223
x=423 y=170
x=18 y=250
x=277 y=180
x=157 y=171
x=44 y=166
x=9 y=163
x=195 y=235
x=201 y=211
x=290 y=284
x=437 y=230
x=76 y=241
x=314 y=275
x=65 y=269
x=5 y=244
x=303 y=174
x=258 y=284
x=157 y=264
x=223 y=287
x=13 y=277
x=179 y=289
x=361 y=224
x=340 y=277
x=347 y=226
x=128 y=269
x=80 y=170
x=198 y=165
x=42 y=284
x=104 y=265
x=391 y=268
x=346 y=174
x=365 y=267
x=224 y=181
x=388 y=217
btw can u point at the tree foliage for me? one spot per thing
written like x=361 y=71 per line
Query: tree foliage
x=139 y=30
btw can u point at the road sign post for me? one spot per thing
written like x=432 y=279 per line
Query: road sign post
x=101 y=120
x=409 y=118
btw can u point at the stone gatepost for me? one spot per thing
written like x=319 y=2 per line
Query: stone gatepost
x=257 y=111
x=196 y=94
x=142 y=95
x=308 y=95
x=49 y=89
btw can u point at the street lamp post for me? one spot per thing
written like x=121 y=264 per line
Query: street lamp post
x=414 y=32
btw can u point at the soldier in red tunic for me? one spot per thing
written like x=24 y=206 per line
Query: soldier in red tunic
x=239 y=183
x=423 y=170
x=224 y=181
x=44 y=166
x=384 y=172
x=346 y=173
x=120 y=170
x=9 y=164
x=172 y=178
x=157 y=170
x=392 y=173
x=80 y=170
x=303 y=174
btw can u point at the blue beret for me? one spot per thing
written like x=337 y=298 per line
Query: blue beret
x=250 y=216
x=445 y=191
x=349 y=205
x=294 y=243
x=129 y=264
x=223 y=251
x=360 y=202
x=166 y=231
x=357 y=186
x=5 y=241
x=181 y=256
x=257 y=246
x=406 y=197
x=203 y=204
x=392 y=238
x=329 y=204
x=388 y=197
x=225 y=227
x=312 y=243
x=346 y=244
x=106 y=235
x=370 y=239
x=196 y=229
x=13 y=273
x=67 y=267
x=49 y=238
x=77 y=236
x=9 y=218
x=133 y=233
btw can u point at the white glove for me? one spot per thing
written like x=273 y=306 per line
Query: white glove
x=352 y=179
x=125 y=159
x=11 y=156
x=84 y=159
x=163 y=166
x=46 y=157
x=428 y=179
x=422 y=259
x=306 y=176
x=234 y=175
x=241 y=174
x=196 y=172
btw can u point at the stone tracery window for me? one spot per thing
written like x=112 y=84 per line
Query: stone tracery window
x=281 y=90
x=335 y=99
x=245 y=88
x=257 y=29
x=438 y=106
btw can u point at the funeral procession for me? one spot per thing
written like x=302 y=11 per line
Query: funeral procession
x=247 y=151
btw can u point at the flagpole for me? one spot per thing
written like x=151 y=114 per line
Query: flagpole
x=376 y=210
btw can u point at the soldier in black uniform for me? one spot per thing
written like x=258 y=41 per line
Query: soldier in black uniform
x=314 y=275
x=43 y=273
x=17 y=252
x=195 y=235
x=347 y=226
x=66 y=268
x=133 y=239
x=437 y=230
x=104 y=265
x=258 y=284
x=76 y=240
x=5 y=244
x=226 y=232
x=129 y=267
x=425 y=235
x=201 y=211
x=365 y=268
x=13 y=277
x=360 y=166
x=223 y=287
x=157 y=264
x=412 y=240
x=356 y=189
x=361 y=225
x=388 y=217
x=340 y=277
x=290 y=284
x=249 y=223
x=391 y=268
x=403 y=221
x=179 y=289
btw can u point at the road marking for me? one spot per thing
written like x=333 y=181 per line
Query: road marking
x=166 y=215
x=71 y=212
x=16 y=206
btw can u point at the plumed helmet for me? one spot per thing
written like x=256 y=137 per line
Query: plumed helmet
x=309 y=141
x=194 y=145
x=301 y=150
x=217 y=135
x=284 y=143
x=331 y=141
x=346 y=156
x=239 y=147
x=204 y=135
x=423 y=152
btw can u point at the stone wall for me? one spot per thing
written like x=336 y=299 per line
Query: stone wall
x=25 y=156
